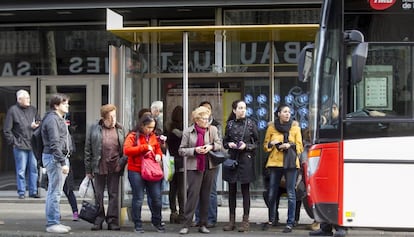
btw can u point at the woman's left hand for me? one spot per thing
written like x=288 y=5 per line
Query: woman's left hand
x=241 y=145
x=285 y=146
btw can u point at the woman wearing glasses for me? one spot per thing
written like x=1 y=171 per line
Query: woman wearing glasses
x=196 y=142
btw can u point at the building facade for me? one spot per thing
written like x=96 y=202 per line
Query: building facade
x=51 y=46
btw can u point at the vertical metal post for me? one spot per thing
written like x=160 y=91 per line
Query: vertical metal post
x=185 y=102
x=272 y=79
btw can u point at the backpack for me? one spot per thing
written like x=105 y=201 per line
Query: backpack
x=37 y=144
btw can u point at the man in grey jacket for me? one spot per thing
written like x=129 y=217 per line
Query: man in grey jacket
x=21 y=119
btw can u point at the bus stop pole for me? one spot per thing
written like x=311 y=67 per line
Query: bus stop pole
x=185 y=103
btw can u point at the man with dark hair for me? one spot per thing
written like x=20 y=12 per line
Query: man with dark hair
x=21 y=119
x=56 y=151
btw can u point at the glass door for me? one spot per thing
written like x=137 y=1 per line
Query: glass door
x=8 y=89
x=87 y=94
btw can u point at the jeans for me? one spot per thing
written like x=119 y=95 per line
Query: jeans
x=165 y=185
x=138 y=185
x=54 y=189
x=276 y=174
x=26 y=163
x=212 y=208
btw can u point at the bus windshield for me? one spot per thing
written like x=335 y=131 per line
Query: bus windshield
x=324 y=86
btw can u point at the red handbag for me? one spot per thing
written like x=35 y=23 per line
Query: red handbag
x=151 y=169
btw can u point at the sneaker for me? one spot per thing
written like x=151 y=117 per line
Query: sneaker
x=340 y=233
x=203 y=230
x=287 y=229
x=183 y=231
x=75 y=216
x=67 y=227
x=159 y=228
x=139 y=229
x=36 y=195
x=59 y=229
x=21 y=196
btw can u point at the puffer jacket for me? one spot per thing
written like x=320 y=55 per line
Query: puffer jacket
x=93 y=146
x=276 y=157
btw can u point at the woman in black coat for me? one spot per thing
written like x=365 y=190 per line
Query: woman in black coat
x=241 y=137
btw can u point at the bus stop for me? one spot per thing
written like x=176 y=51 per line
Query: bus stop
x=133 y=82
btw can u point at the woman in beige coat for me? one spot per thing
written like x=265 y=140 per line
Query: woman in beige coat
x=196 y=142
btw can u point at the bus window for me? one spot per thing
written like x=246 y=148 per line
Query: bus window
x=386 y=84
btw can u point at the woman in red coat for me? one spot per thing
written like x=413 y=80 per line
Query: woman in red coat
x=140 y=143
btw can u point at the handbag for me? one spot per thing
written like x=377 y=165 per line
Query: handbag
x=151 y=169
x=289 y=158
x=218 y=157
x=44 y=180
x=230 y=164
x=89 y=210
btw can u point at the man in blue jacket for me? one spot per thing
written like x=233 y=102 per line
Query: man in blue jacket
x=21 y=119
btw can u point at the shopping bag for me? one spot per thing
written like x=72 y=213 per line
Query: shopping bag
x=85 y=189
x=168 y=166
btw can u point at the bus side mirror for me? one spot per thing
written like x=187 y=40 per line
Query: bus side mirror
x=305 y=63
x=359 y=58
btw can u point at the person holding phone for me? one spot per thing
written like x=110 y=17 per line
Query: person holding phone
x=196 y=142
x=241 y=139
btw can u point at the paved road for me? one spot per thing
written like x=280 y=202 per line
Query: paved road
x=26 y=218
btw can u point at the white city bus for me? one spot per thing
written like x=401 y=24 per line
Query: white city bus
x=360 y=166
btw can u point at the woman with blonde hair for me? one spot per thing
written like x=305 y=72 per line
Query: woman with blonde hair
x=196 y=142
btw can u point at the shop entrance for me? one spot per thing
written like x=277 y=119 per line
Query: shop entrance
x=86 y=94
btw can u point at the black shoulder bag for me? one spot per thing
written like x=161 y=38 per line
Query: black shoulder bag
x=89 y=211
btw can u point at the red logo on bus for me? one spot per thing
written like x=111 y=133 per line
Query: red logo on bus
x=381 y=4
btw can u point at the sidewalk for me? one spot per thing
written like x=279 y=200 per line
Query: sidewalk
x=27 y=218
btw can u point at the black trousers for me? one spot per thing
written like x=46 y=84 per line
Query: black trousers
x=111 y=182
x=177 y=192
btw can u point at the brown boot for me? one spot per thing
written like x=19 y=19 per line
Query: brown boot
x=232 y=223
x=244 y=226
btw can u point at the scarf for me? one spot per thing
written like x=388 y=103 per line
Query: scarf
x=201 y=161
x=283 y=128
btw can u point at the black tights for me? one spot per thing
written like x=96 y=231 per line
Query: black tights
x=246 y=198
